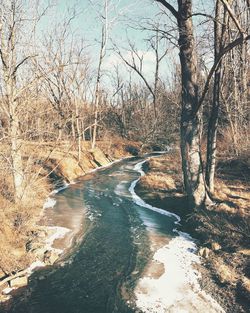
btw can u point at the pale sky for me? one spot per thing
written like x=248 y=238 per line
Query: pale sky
x=121 y=16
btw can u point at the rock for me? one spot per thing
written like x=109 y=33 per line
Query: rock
x=204 y=252
x=215 y=246
x=19 y=282
x=18 y=253
x=42 y=234
x=245 y=251
x=50 y=257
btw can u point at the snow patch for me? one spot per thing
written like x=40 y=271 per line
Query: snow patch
x=142 y=203
x=65 y=186
x=49 y=203
x=177 y=290
x=59 y=232
x=34 y=266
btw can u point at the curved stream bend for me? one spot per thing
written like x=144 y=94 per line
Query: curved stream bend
x=122 y=232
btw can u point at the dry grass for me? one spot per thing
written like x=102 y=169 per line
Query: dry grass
x=14 y=230
x=225 y=273
x=46 y=166
x=164 y=174
x=232 y=186
x=118 y=148
x=158 y=181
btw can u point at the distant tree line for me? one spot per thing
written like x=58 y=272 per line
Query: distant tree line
x=51 y=92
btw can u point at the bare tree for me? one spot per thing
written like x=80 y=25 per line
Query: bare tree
x=104 y=39
x=225 y=22
x=135 y=62
x=13 y=19
x=192 y=165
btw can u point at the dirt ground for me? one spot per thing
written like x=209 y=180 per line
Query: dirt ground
x=222 y=231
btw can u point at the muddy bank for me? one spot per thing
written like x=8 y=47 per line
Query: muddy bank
x=222 y=233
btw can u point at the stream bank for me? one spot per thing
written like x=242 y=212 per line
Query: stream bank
x=37 y=232
x=105 y=272
x=222 y=234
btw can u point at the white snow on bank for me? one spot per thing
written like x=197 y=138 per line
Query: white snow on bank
x=35 y=265
x=59 y=232
x=49 y=203
x=177 y=290
x=142 y=203
x=65 y=186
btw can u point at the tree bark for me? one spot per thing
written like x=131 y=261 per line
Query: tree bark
x=219 y=36
x=16 y=158
x=192 y=166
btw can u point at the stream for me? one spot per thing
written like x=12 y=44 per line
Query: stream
x=125 y=256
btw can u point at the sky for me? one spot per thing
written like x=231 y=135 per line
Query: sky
x=122 y=15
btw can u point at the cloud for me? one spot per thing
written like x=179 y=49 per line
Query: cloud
x=113 y=60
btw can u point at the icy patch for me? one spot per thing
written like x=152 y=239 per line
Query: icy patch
x=34 y=266
x=142 y=203
x=65 y=186
x=178 y=289
x=60 y=232
x=120 y=189
x=108 y=165
x=49 y=203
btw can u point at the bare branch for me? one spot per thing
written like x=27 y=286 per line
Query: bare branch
x=231 y=13
x=228 y=48
x=169 y=7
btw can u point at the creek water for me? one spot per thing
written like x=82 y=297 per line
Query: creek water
x=126 y=256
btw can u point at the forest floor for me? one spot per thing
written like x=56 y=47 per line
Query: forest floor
x=222 y=232
x=48 y=166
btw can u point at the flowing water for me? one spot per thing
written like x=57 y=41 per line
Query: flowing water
x=127 y=256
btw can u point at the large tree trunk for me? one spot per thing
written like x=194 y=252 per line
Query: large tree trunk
x=192 y=166
x=14 y=137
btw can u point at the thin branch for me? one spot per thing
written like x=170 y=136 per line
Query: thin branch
x=228 y=48
x=22 y=62
x=231 y=13
x=135 y=68
x=169 y=7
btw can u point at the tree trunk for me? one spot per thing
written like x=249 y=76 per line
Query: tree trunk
x=78 y=131
x=212 y=133
x=98 y=80
x=16 y=159
x=219 y=32
x=192 y=166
